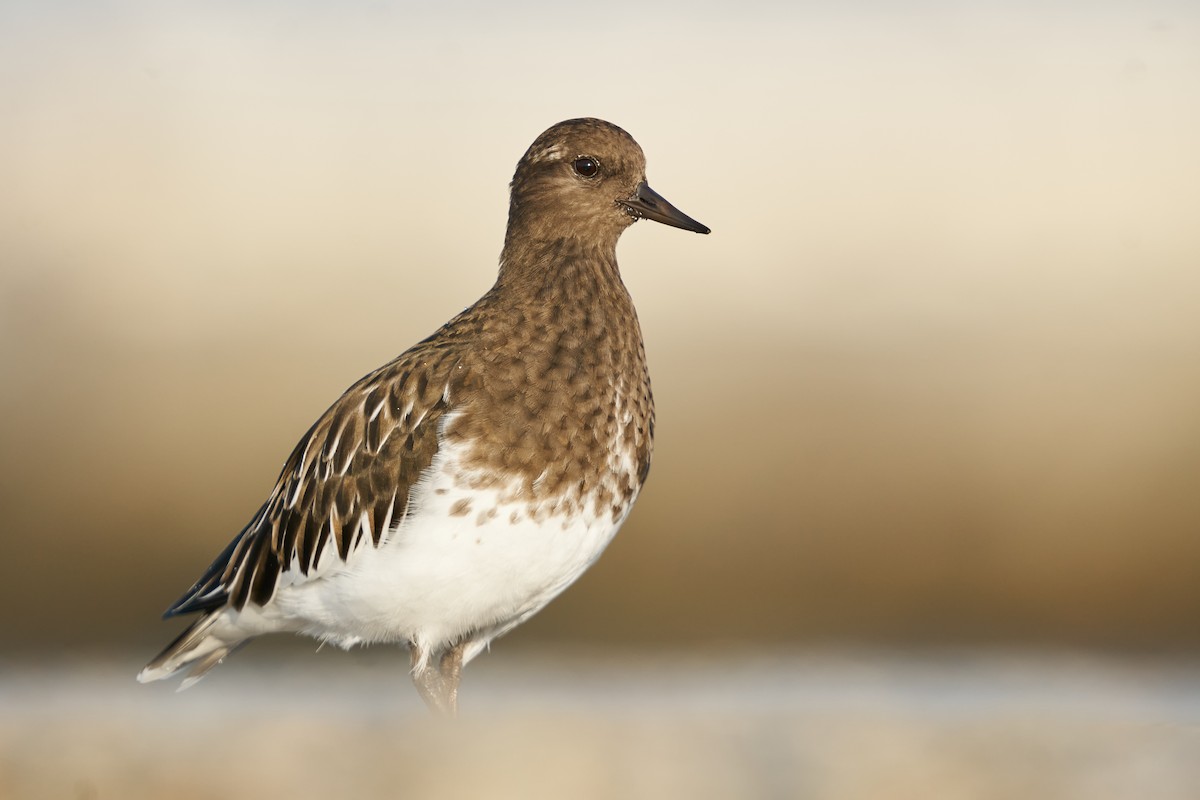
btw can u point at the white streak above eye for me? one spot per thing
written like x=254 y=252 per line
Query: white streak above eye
x=551 y=153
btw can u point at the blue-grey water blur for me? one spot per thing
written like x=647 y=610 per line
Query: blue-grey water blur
x=822 y=725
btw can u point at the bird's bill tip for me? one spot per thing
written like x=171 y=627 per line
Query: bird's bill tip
x=649 y=204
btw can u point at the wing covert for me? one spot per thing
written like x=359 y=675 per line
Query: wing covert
x=347 y=481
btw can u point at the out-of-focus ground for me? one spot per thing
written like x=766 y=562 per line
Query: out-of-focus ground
x=815 y=725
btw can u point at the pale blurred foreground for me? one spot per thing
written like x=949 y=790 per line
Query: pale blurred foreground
x=811 y=725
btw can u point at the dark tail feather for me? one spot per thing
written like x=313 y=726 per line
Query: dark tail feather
x=198 y=649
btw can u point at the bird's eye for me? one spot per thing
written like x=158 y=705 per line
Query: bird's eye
x=587 y=166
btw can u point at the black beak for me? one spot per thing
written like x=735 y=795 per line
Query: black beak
x=650 y=204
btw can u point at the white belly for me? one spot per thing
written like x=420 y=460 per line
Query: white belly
x=463 y=563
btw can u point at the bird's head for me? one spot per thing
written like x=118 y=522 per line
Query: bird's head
x=587 y=177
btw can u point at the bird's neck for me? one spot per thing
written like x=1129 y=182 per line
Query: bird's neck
x=567 y=295
x=561 y=269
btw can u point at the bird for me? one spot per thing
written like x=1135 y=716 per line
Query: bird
x=449 y=495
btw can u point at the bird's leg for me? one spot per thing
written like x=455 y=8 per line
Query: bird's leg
x=450 y=668
x=438 y=686
x=427 y=680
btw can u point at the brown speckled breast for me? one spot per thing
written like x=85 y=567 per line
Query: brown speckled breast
x=566 y=407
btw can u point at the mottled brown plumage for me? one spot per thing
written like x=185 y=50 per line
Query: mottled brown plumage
x=531 y=408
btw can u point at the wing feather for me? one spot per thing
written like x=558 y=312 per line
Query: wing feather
x=350 y=474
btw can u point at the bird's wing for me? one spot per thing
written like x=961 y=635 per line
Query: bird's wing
x=346 y=483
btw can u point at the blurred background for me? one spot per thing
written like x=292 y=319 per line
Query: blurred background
x=928 y=396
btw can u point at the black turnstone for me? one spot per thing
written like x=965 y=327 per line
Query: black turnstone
x=450 y=494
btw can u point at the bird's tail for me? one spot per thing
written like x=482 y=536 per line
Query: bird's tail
x=198 y=649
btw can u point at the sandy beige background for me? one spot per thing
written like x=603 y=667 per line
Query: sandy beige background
x=934 y=376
